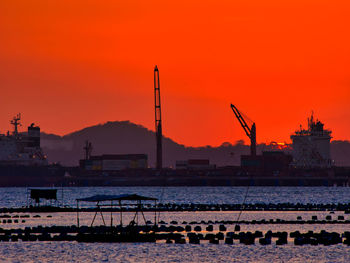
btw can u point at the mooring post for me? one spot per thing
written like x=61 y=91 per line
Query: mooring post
x=155 y=212
x=78 y=213
x=121 y=213
x=111 y=213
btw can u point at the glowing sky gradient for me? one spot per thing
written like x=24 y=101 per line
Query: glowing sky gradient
x=70 y=64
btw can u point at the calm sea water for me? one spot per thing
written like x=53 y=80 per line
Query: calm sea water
x=17 y=196
x=161 y=252
x=78 y=252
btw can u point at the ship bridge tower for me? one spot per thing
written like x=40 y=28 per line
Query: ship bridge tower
x=311 y=146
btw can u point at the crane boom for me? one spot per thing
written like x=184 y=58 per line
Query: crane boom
x=250 y=131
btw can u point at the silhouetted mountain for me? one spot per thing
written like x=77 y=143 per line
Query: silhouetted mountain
x=124 y=137
x=109 y=138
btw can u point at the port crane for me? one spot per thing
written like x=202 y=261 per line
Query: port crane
x=250 y=131
x=158 y=119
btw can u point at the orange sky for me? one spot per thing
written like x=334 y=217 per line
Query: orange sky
x=69 y=64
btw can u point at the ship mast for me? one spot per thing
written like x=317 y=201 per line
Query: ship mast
x=16 y=122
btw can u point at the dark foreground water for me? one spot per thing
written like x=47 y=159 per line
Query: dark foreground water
x=78 y=252
x=205 y=252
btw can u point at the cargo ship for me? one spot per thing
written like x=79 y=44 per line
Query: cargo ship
x=22 y=160
x=21 y=149
x=311 y=146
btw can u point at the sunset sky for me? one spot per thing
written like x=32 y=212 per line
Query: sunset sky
x=70 y=64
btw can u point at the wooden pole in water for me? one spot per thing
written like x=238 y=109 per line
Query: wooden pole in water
x=121 y=213
x=143 y=215
x=62 y=195
x=155 y=212
x=99 y=208
x=78 y=213
x=111 y=213
x=137 y=214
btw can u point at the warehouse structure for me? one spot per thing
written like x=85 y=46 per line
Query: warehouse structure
x=114 y=162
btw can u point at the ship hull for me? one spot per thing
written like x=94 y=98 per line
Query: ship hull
x=31 y=175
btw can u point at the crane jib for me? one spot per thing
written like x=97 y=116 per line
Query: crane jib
x=250 y=131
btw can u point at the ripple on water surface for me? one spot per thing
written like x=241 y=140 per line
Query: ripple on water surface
x=17 y=196
x=83 y=252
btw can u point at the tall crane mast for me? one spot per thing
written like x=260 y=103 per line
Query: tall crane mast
x=87 y=150
x=158 y=119
x=250 y=131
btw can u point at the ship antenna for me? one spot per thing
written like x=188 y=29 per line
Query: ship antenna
x=16 y=122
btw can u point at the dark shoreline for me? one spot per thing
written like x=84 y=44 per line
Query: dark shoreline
x=56 y=175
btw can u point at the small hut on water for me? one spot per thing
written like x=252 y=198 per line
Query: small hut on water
x=121 y=202
x=132 y=232
x=48 y=195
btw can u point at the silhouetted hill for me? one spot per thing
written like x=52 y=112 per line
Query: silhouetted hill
x=110 y=138
x=124 y=137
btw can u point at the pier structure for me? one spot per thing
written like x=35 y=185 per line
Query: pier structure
x=106 y=201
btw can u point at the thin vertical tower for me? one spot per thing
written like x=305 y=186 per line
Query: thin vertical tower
x=158 y=118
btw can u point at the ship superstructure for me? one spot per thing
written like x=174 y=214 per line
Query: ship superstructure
x=311 y=146
x=21 y=149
